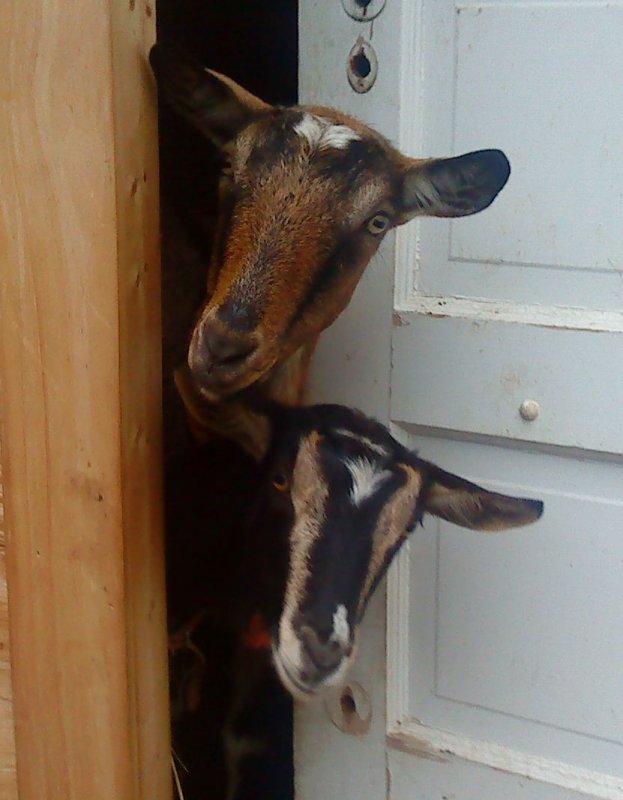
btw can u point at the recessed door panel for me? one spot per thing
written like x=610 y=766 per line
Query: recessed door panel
x=514 y=637
x=538 y=80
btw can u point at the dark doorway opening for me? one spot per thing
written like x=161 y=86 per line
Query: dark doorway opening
x=255 y=42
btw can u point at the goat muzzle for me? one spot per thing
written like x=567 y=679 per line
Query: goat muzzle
x=222 y=360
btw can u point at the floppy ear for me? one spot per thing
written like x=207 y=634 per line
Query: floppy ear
x=453 y=187
x=234 y=419
x=470 y=506
x=213 y=103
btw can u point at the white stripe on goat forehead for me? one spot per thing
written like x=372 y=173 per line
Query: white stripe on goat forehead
x=364 y=440
x=367 y=478
x=321 y=132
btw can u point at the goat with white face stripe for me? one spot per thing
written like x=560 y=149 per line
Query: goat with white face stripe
x=339 y=497
x=306 y=196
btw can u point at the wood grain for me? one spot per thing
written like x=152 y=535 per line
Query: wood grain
x=8 y=777
x=80 y=373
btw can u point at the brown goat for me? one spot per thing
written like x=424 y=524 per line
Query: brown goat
x=305 y=198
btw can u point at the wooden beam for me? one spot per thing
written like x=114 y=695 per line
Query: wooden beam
x=8 y=777
x=80 y=373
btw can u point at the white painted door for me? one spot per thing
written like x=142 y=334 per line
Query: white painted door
x=494 y=666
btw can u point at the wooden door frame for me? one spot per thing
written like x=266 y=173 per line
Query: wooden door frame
x=81 y=410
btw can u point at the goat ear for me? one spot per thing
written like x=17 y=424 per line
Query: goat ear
x=470 y=506
x=453 y=187
x=213 y=103
x=235 y=420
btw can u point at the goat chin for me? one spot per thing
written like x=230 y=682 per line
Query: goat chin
x=308 y=692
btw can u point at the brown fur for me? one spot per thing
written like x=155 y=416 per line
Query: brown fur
x=294 y=231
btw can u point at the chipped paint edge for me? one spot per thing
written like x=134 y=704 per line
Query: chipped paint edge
x=558 y=317
x=422 y=741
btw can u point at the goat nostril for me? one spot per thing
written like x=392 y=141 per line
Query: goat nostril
x=226 y=349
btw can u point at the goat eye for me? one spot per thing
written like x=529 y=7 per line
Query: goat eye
x=280 y=482
x=377 y=224
x=227 y=167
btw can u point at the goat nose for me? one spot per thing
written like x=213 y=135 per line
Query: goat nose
x=326 y=655
x=226 y=348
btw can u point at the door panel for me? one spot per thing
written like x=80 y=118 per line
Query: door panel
x=504 y=652
x=469 y=374
x=535 y=79
x=513 y=636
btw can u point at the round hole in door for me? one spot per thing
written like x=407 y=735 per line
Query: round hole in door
x=349 y=709
x=362 y=66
